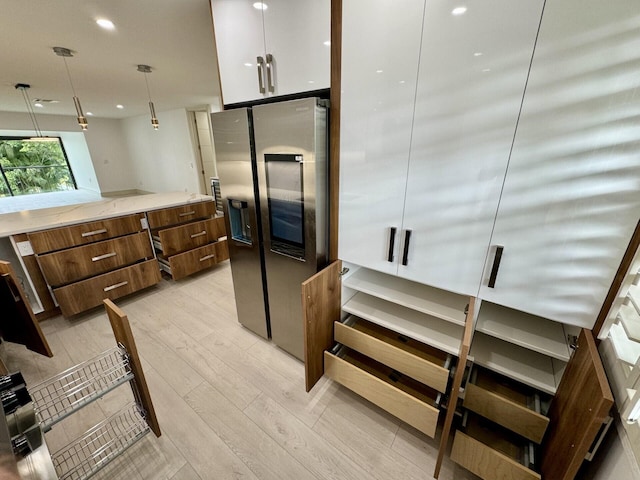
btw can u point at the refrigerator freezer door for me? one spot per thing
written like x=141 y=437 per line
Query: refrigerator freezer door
x=236 y=169
x=291 y=155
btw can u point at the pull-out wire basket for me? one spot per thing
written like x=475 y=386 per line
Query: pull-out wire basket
x=61 y=395
x=88 y=454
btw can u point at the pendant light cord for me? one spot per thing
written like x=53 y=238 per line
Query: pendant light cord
x=31 y=112
x=69 y=75
x=147 y=83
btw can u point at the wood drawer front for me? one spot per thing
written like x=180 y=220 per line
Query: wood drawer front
x=181 y=214
x=193 y=261
x=512 y=415
x=81 y=296
x=75 y=235
x=419 y=361
x=406 y=407
x=74 y=264
x=193 y=235
x=486 y=462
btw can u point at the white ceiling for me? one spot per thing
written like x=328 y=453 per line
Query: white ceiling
x=174 y=37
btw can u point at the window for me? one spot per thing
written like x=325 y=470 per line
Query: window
x=33 y=165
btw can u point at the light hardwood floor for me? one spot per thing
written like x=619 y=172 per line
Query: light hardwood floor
x=230 y=404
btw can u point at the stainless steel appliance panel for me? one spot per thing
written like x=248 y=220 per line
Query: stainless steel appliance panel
x=231 y=133
x=291 y=137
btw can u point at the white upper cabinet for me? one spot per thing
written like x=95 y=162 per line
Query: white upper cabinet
x=380 y=54
x=278 y=49
x=572 y=192
x=473 y=71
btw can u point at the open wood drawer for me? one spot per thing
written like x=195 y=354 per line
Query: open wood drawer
x=407 y=399
x=506 y=402
x=187 y=263
x=192 y=235
x=181 y=214
x=422 y=362
x=493 y=452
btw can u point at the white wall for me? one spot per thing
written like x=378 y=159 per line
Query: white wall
x=87 y=152
x=164 y=160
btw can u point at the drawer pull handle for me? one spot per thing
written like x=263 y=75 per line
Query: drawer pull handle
x=94 y=232
x=117 y=285
x=495 y=267
x=186 y=214
x=102 y=257
x=392 y=242
x=207 y=257
x=203 y=232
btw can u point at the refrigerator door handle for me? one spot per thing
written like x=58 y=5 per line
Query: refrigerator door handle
x=260 y=62
x=270 y=84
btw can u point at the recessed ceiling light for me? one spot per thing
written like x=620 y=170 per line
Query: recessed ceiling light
x=402 y=81
x=486 y=70
x=106 y=24
x=327 y=43
x=379 y=71
x=260 y=6
x=38 y=104
x=477 y=54
x=458 y=10
x=120 y=106
x=311 y=81
x=248 y=65
x=89 y=114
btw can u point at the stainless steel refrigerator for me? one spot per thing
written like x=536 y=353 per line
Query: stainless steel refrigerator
x=272 y=164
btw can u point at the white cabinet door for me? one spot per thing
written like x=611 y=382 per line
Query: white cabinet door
x=295 y=37
x=380 y=54
x=473 y=70
x=572 y=192
x=239 y=41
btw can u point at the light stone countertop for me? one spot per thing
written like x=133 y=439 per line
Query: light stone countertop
x=33 y=220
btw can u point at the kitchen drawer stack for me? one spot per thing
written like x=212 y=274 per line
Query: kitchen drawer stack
x=397 y=344
x=188 y=238
x=86 y=263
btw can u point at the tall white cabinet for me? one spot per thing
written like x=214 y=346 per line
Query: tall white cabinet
x=572 y=190
x=473 y=71
x=379 y=70
x=270 y=48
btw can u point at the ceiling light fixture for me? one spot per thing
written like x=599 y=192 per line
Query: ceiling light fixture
x=154 y=120
x=119 y=106
x=23 y=87
x=64 y=53
x=458 y=11
x=106 y=24
x=260 y=6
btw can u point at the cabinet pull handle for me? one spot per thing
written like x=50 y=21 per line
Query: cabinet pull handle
x=405 y=252
x=495 y=267
x=186 y=214
x=117 y=285
x=207 y=257
x=102 y=257
x=199 y=234
x=392 y=243
x=270 y=84
x=260 y=61
x=94 y=232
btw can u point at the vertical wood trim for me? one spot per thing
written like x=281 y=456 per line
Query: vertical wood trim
x=320 y=309
x=456 y=384
x=40 y=284
x=334 y=127
x=29 y=332
x=577 y=412
x=123 y=334
x=634 y=244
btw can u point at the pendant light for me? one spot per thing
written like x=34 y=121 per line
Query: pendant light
x=154 y=120
x=64 y=53
x=24 y=87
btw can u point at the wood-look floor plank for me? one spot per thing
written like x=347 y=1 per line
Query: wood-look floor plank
x=263 y=455
x=197 y=442
x=302 y=442
x=379 y=461
x=291 y=395
x=186 y=473
x=157 y=458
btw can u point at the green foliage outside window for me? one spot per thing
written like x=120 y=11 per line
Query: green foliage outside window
x=33 y=166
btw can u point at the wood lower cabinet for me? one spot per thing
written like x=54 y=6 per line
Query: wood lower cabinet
x=188 y=239
x=86 y=294
x=406 y=346
x=86 y=263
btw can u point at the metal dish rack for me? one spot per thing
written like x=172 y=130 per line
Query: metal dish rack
x=66 y=393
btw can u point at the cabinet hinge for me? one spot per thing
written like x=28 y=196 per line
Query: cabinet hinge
x=344 y=271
